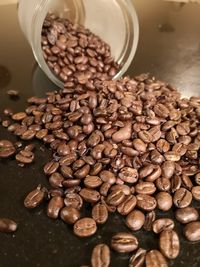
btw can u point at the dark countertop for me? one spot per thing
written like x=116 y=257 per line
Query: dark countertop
x=169 y=48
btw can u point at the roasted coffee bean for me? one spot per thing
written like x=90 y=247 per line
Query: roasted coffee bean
x=146 y=202
x=100 y=213
x=73 y=200
x=85 y=227
x=92 y=181
x=192 y=231
x=197 y=178
x=196 y=192
x=175 y=183
x=147 y=188
x=169 y=244
x=95 y=170
x=7 y=225
x=186 y=215
x=25 y=157
x=51 y=167
x=127 y=205
x=168 y=169
x=163 y=184
x=138 y=259
x=66 y=172
x=100 y=256
x=149 y=219
x=19 y=116
x=107 y=176
x=145 y=171
x=7 y=149
x=34 y=198
x=115 y=198
x=162 y=146
x=124 y=188
x=70 y=215
x=104 y=189
x=56 y=180
x=128 y=175
x=162 y=224
x=124 y=242
x=90 y=195
x=82 y=172
x=164 y=201
x=123 y=134
x=155 y=259
x=135 y=220
x=139 y=145
x=54 y=207
x=182 y=198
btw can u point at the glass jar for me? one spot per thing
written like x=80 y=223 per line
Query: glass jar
x=115 y=21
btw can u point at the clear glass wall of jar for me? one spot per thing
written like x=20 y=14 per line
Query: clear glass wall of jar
x=115 y=21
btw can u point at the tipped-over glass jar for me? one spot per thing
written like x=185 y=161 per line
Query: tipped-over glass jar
x=115 y=21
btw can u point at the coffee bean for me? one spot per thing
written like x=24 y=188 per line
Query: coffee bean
x=147 y=188
x=90 y=195
x=169 y=244
x=7 y=225
x=123 y=134
x=82 y=172
x=163 y=184
x=56 y=180
x=124 y=242
x=51 y=167
x=182 y=198
x=25 y=157
x=127 y=205
x=146 y=202
x=145 y=171
x=196 y=192
x=107 y=176
x=186 y=215
x=70 y=215
x=124 y=188
x=7 y=149
x=164 y=201
x=92 y=181
x=128 y=175
x=168 y=168
x=135 y=220
x=139 y=145
x=34 y=198
x=73 y=200
x=149 y=219
x=155 y=259
x=19 y=116
x=162 y=224
x=85 y=227
x=100 y=256
x=162 y=146
x=138 y=259
x=54 y=207
x=115 y=198
x=100 y=213
x=192 y=231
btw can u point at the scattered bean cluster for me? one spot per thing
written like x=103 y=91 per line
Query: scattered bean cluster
x=129 y=146
x=74 y=53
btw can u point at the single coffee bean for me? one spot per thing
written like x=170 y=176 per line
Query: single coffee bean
x=127 y=205
x=25 y=157
x=145 y=171
x=115 y=198
x=100 y=213
x=175 y=183
x=82 y=172
x=139 y=145
x=192 y=231
x=146 y=202
x=124 y=188
x=135 y=220
x=100 y=256
x=56 y=180
x=162 y=224
x=19 y=116
x=162 y=146
x=7 y=225
x=123 y=134
x=149 y=219
x=34 y=198
x=7 y=149
x=51 y=167
x=169 y=244
x=107 y=177
x=104 y=189
x=90 y=195
x=155 y=259
x=85 y=227
x=147 y=188
x=128 y=175
x=54 y=207
x=186 y=215
x=163 y=184
x=182 y=198
x=168 y=169
x=138 y=259
x=92 y=181
x=124 y=242
x=197 y=178
x=70 y=215
x=196 y=192
x=73 y=200
x=66 y=171
x=164 y=201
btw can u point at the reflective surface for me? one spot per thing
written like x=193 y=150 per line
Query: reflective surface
x=169 y=48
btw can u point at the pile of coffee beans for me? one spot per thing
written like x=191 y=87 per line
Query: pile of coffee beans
x=74 y=53
x=129 y=146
